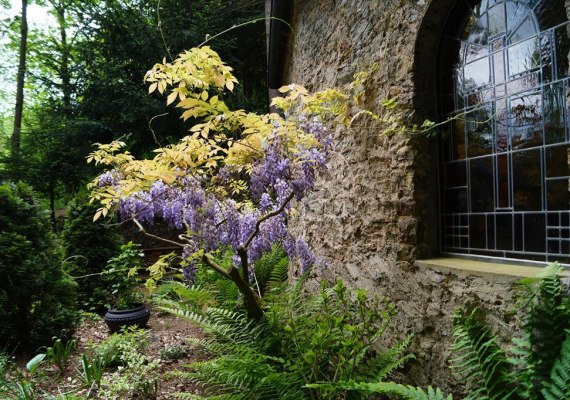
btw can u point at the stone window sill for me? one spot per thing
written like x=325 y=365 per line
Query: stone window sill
x=481 y=268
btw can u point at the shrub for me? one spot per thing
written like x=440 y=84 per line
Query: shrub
x=87 y=247
x=122 y=279
x=37 y=301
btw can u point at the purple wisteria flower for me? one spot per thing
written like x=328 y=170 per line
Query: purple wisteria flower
x=213 y=223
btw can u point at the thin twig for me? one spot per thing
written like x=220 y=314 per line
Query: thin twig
x=253 y=21
x=159 y=25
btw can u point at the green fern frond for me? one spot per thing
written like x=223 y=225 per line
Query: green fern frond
x=380 y=365
x=481 y=361
x=402 y=391
x=558 y=388
x=271 y=270
x=546 y=316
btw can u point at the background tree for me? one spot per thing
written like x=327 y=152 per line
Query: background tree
x=86 y=72
x=19 y=109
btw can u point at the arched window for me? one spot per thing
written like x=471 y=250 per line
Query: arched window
x=505 y=162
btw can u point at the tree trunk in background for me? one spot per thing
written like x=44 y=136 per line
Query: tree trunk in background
x=15 y=139
x=64 y=62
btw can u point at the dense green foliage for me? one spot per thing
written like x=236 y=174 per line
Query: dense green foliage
x=301 y=339
x=37 y=301
x=87 y=247
x=538 y=363
x=84 y=79
x=121 y=276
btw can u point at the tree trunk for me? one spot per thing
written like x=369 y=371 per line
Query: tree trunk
x=16 y=134
x=251 y=301
x=64 y=63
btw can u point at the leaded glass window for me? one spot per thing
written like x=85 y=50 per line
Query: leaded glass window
x=505 y=162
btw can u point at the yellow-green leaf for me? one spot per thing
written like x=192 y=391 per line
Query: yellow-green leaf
x=171 y=97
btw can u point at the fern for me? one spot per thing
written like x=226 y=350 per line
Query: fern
x=539 y=364
x=546 y=315
x=481 y=361
x=402 y=391
x=301 y=339
x=272 y=269
x=558 y=388
x=379 y=366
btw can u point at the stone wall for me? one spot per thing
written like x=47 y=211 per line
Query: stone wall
x=376 y=213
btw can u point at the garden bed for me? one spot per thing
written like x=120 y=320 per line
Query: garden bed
x=168 y=344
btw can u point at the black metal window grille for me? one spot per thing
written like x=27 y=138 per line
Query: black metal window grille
x=505 y=162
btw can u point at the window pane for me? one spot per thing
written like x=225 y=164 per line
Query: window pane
x=527 y=180
x=554 y=112
x=456 y=174
x=557 y=194
x=557 y=161
x=562 y=49
x=477 y=74
x=525 y=121
x=503 y=181
x=546 y=48
x=474 y=52
x=491 y=231
x=479 y=131
x=517 y=17
x=459 y=89
x=524 y=83
x=479 y=97
x=534 y=228
x=499 y=68
x=456 y=200
x=525 y=30
x=523 y=56
x=504 y=226
x=458 y=137
x=481 y=180
x=501 y=125
x=477 y=231
x=497 y=23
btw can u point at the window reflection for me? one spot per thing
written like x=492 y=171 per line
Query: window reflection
x=523 y=56
x=506 y=174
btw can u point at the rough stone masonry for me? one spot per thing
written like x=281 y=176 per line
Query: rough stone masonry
x=376 y=213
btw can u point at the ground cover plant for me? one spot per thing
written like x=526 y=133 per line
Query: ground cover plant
x=104 y=367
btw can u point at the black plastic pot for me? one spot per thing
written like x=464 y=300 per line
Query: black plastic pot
x=117 y=319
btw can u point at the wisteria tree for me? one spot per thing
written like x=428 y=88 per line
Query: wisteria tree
x=231 y=182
